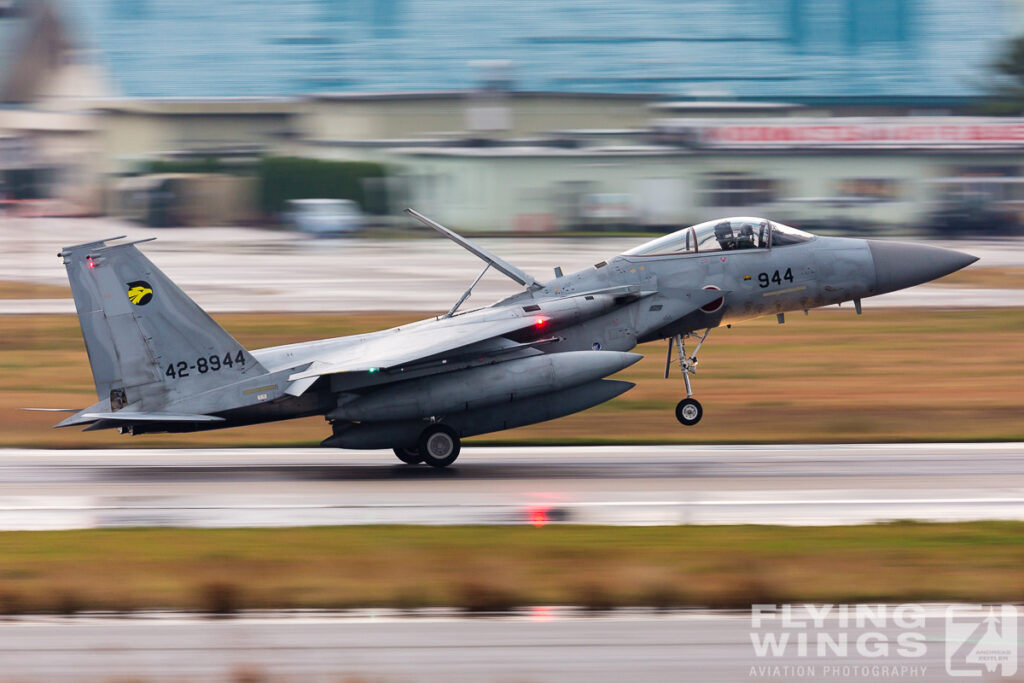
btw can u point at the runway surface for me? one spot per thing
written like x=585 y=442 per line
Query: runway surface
x=542 y=644
x=622 y=485
x=242 y=269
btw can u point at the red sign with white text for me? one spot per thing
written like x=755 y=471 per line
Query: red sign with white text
x=863 y=134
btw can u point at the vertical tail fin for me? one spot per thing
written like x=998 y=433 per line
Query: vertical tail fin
x=149 y=344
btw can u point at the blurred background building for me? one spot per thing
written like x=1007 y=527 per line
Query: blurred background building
x=862 y=115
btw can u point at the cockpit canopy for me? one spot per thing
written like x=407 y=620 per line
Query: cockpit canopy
x=724 y=234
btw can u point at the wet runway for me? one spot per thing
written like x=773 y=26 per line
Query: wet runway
x=623 y=485
x=241 y=269
x=539 y=644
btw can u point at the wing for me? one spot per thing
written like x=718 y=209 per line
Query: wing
x=470 y=337
x=419 y=343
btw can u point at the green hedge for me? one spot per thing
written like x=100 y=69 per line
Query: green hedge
x=285 y=178
x=208 y=165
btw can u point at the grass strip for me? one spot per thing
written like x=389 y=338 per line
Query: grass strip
x=489 y=568
x=30 y=290
x=987 y=278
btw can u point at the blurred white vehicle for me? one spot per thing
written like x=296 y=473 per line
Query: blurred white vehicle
x=325 y=216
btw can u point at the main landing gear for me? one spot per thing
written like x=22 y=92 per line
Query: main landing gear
x=438 y=446
x=410 y=456
x=688 y=411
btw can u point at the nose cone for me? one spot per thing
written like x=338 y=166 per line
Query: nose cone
x=899 y=264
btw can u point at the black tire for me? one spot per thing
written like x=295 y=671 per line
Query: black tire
x=689 y=411
x=410 y=456
x=439 y=445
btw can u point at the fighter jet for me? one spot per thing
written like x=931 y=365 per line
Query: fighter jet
x=161 y=364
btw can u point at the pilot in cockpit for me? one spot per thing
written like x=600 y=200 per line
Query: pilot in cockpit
x=745 y=237
x=723 y=233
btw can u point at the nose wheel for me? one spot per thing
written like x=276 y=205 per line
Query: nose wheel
x=688 y=411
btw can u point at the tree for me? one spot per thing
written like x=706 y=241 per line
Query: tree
x=1008 y=96
x=1011 y=62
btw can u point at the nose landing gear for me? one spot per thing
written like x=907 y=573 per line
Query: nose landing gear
x=688 y=411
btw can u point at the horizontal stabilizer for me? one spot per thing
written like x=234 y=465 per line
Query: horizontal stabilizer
x=129 y=416
x=123 y=416
x=52 y=410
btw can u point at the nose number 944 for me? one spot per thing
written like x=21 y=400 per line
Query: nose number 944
x=777 y=278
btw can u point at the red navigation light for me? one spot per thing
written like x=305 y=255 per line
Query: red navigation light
x=92 y=264
x=541 y=613
x=538 y=516
x=540 y=322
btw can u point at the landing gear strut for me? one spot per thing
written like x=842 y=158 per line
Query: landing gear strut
x=688 y=411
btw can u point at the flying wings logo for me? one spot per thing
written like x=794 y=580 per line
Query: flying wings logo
x=139 y=292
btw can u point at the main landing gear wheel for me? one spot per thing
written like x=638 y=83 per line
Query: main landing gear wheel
x=410 y=456
x=439 y=445
x=689 y=411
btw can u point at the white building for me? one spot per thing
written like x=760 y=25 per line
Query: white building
x=846 y=172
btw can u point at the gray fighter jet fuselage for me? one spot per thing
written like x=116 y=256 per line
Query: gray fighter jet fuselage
x=161 y=364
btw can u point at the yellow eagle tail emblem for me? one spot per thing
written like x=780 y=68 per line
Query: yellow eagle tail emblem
x=139 y=293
